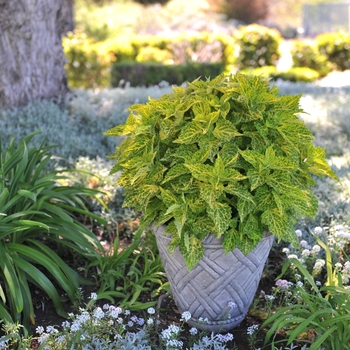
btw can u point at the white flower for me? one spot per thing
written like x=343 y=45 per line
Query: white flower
x=292 y=256
x=304 y=244
x=40 y=330
x=98 y=313
x=316 y=249
x=130 y=323
x=193 y=331
x=252 y=329
x=305 y=253
x=127 y=312
x=93 y=296
x=300 y=284
x=105 y=307
x=150 y=321
x=151 y=311
x=232 y=305
x=50 y=329
x=319 y=264
x=318 y=230
x=75 y=326
x=285 y=250
x=186 y=316
x=298 y=233
x=60 y=339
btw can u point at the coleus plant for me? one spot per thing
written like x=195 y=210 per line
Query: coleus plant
x=227 y=156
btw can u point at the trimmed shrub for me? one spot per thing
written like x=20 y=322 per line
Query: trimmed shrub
x=258 y=46
x=266 y=71
x=295 y=74
x=153 y=74
x=87 y=66
x=307 y=54
x=154 y=55
x=336 y=47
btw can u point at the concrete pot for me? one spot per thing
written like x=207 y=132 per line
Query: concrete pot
x=217 y=280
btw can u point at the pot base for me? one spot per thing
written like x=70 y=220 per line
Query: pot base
x=219 y=290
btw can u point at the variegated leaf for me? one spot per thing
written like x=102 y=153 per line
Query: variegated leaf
x=252 y=157
x=190 y=133
x=257 y=178
x=276 y=223
x=193 y=253
x=244 y=208
x=220 y=213
x=246 y=244
x=174 y=172
x=231 y=238
x=210 y=193
x=201 y=172
x=167 y=197
x=225 y=130
x=239 y=191
x=250 y=227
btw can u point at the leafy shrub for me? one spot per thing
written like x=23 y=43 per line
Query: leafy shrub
x=248 y=11
x=294 y=74
x=307 y=54
x=153 y=55
x=89 y=63
x=153 y=74
x=321 y=315
x=38 y=228
x=336 y=47
x=87 y=66
x=265 y=71
x=297 y=74
x=258 y=46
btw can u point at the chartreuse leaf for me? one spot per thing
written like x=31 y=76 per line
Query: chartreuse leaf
x=245 y=244
x=231 y=239
x=257 y=177
x=200 y=172
x=230 y=146
x=190 y=133
x=176 y=171
x=279 y=225
x=316 y=163
x=225 y=130
x=220 y=213
x=210 y=193
x=193 y=253
x=239 y=191
x=244 y=208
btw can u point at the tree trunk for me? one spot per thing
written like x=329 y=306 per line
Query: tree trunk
x=31 y=54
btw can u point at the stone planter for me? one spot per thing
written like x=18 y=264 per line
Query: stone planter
x=217 y=280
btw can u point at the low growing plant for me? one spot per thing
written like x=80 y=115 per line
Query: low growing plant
x=37 y=229
x=227 y=156
x=321 y=317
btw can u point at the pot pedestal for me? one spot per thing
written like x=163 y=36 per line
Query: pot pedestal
x=217 y=281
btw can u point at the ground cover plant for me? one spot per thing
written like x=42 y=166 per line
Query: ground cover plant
x=327 y=118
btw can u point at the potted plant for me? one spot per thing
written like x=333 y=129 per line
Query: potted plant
x=222 y=163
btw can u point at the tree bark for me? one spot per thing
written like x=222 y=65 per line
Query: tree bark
x=31 y=54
